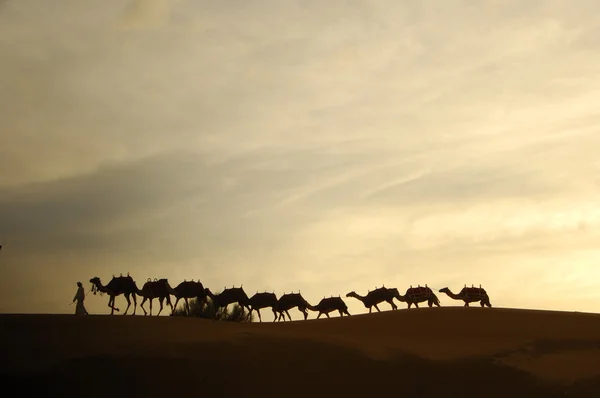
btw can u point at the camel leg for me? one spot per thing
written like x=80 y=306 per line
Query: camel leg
x=259 y=316
x=175 y=306
x=370 y=309
x=142 y=305
x=416 y=305
x=169 y=301
x=327 y=315
x=318 y=316
x=275 y=314
x=466 y=304
x=160 y=301
x=288 y=314
x=347 y=313
x=187 y=306
x=128 y=304
x=377 y=308
x=134 y=303
x=151 y=300
x=111 y=305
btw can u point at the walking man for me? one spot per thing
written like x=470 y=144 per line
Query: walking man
x=79 y=297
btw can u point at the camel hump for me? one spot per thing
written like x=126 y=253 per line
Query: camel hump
x=149 y=280
x=419 y=291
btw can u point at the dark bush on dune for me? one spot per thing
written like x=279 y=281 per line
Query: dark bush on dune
x=236 y=313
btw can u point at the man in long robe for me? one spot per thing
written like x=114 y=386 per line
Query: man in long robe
x=79 y=297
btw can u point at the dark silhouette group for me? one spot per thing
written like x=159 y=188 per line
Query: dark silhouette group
x=161 y=290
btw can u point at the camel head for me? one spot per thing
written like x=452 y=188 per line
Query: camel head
x=395 y=293
x=95 y=281
x=209 y=293
x=351 y=294
x=444 y=290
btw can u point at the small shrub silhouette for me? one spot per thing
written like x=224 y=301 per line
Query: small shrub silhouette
x=236 y=313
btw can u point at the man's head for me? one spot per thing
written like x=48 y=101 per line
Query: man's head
x=79 y=284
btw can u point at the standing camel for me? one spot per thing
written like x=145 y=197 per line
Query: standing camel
x=118 y=285
x=187 y=290
x=375 y=297
x=416 y=295
x=329 y=304
x=263 y=300
x=288 y=301
x=469 y=295
x=229 y=296
x=155 y=289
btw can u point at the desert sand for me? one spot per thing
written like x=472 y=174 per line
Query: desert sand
x=425 y=352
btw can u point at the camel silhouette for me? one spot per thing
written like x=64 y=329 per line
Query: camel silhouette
x=229 y=296
x=187 y=290
x=416 y=295
x=329 y=304
x=469 y=295
x=375 y=297
x=263 y=300
x=155 y=289
x=118 y=285
x=288 y=301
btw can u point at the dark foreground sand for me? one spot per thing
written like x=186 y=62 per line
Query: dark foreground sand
x=426 y=352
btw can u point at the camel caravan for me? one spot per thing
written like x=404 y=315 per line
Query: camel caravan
x=161 y=290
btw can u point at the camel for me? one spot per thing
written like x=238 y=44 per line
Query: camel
x=155 y=289
x=416 y=295
x=187 y=290
x=469 y=295
x=263 y=300
x=329 y=304
x=229 y=296
x=288 y=301
x=375 y=297
x=118 y=285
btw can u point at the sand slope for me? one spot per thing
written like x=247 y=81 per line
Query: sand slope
x=455 y=351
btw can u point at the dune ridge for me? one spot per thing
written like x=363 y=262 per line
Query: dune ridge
x=423 y=352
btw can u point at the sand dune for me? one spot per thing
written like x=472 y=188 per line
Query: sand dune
x=455 y=351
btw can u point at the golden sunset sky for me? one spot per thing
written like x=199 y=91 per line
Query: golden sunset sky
x=325 y=146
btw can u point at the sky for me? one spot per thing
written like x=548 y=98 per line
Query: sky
x=310 y=146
